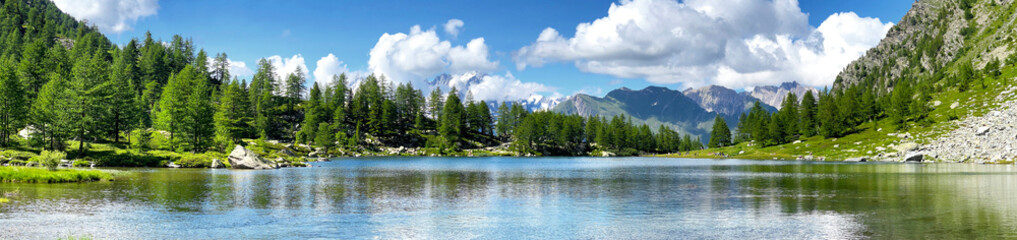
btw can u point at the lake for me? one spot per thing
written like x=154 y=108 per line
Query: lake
x=529 y=198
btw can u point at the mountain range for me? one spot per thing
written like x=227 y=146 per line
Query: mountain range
x=690 y=111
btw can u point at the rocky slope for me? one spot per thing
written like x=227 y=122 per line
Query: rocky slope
x=720 y=100
x=774 y=95
x=980 y=139
x=932 y=36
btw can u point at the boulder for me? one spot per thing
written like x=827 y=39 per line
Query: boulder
x=857 y=159
x=172 y=165
x=287 y=152
x=26 y=132
x=216 y=163
x=982 y=131
x=242 y=158
x=914 y=157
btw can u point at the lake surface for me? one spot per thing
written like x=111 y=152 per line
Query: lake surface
x=529 y=198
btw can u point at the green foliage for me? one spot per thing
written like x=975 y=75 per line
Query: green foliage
x=81 y=163
x=49 y=159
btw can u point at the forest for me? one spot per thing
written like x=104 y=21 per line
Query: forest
x=68 y=88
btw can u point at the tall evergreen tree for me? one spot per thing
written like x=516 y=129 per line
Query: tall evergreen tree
x=807 y=114
x=50 y=113
x=13 y=104
x=86 y=94
x=721 y=134
x=452 y=117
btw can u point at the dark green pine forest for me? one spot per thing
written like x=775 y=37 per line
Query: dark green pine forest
x=65 y=87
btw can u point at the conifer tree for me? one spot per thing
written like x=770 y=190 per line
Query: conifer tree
x=49 y=113
x=807 y=114
x=13 y=104
x=721 y=135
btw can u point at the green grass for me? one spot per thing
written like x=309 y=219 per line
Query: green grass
x=41 y=175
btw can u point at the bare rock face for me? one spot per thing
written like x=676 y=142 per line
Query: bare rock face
x=216 y=163
x=242 y=158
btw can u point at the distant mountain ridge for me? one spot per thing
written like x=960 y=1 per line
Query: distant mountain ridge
x=463 y=83
x=774 y=95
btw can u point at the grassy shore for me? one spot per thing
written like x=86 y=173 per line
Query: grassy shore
x=42 y=175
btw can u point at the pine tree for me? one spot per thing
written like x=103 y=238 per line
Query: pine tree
x=49 y=112
x=231 y=119
x=900 y=104
x=452 y=117
x=807 y=114
x=200 y=114
x=789 y=118
x=123 y=111
x=313 y=114
x=325 y=138
x=13 y=104
x=86 y=92
x=340 y=97
x=721 y=135
x=830 y=123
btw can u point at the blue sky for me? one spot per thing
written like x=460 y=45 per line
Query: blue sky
x=349 y=30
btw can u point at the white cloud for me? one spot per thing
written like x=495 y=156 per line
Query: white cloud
x=285 y=66
x=421 y=55
x=453 y=27
x=113 y=16
x=327 y=67
x=507 y=88
x=738 y=43
x=239 y=68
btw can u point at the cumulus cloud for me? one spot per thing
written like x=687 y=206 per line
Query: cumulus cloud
x=507 y=88
x=421 y=55
x=328 y=66
x=109 y=15
x=239 y=68
x=285 y=66
x=453 y=26
x=738 y=43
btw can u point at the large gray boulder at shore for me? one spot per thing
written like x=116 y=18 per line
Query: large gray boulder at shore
x=914 y=157
x=242 y=158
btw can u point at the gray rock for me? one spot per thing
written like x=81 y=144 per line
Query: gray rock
x=287 y=152
x=242 y=158
x=914 y=157
x=857 y=159
x=216 y=163
x=981 y=131
x=172 y=165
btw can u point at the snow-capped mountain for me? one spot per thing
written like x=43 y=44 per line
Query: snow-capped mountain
x=464 y=82
x=541 y=103
x=461 y=82
x=774 y=95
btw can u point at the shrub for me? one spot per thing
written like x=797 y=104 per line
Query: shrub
x=16 y=162
x=12 y=154
x=49 y=159
x=127 y=159
x=194 y=161
x=141 y=139
x=81 y=163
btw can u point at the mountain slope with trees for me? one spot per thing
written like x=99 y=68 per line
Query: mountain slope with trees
x=947 y=60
